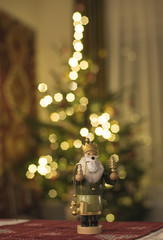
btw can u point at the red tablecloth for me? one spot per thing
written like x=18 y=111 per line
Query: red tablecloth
x=52 y=229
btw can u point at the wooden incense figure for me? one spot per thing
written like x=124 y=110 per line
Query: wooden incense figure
x=89 y=176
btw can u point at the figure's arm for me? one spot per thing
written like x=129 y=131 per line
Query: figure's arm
x=109 y=178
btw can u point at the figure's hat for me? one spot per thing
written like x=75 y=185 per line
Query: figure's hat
x=89 y=146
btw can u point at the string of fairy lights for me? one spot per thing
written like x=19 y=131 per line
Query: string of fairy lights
x=102 y=125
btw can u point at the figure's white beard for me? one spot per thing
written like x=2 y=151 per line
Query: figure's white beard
x=92 y=164
x=91 y=176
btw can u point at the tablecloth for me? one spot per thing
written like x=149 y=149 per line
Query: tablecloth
x=66 y=230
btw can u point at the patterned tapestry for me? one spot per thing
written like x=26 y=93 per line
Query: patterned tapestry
x=17 y=91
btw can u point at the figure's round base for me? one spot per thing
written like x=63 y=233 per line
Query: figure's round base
x=89 y=230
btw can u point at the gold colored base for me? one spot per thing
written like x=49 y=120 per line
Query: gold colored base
x=89 y=230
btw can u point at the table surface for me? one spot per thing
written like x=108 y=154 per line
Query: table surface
x=19 y=229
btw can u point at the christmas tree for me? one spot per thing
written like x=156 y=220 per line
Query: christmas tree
x=74 y=114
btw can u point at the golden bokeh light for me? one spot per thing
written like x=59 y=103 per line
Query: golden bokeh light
x=70 y=97
x=76 y=16
x=73 y=86
x=78 y=36
x=52 y=193
x=115 y=128
x=73 y=75
x=79 y=28
x=77 y=55
x=52 y=138
x=64 y=145
x=47 y=100
x=42 y=161
x=32 y=168
x=84 y=65
x=73 y=62
x=84 y=132
x=110 y=217
x=29 y=175
x=70 y=111
x=84 y=20
x=54 y=117
x=42 y=87
x=58 y=97
x=77 y=143
x=78 y=46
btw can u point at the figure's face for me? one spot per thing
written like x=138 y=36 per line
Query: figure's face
x=91 y=160
x=91 y=154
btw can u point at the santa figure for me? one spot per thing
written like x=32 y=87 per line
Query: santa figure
x=89 y=176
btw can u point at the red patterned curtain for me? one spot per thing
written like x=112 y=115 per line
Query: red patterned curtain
x=17 y=101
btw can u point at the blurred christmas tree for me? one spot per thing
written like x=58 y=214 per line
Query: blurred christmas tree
x=74 y=114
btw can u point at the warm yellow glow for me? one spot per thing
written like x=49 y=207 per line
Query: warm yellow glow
x=106 y=115
x=76 y=69
x=42 y=87
x=84 y=20
x=49 y=158
x=91 y=136
x=102 y=119
x=70 y=111
x=42 y=170
x=84 y=65
x=73 y=86
x=52 y=138
x=54 y=117
x=73 y=62
x=48 y=168
x=54 y=166
x=78 y=36
x=52 y=193
x=73 y=75
x=54 y=146
x=76 y=16
x=115 y=128
x=29 y=175
x=44 y=102
x=98 y=131
x=106 y=134
x=84 y=101
x=84 y=132
x=106 y=125
x=70 y=97
x=125 y=201
x=77 y=55
x=58 y=97
x=94 y=119
x=32 y=168
x=78 y=46
x=77 y=143
x=82 y=108
x=112 y=138
x=42 y=161
x=110 y=217
x=64 y=145
x=49 y=175
x=122 y=174
x=79 y=28
x=62 y=115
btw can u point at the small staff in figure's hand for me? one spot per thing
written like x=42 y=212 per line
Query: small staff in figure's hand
x=79 y=175
x=113 y=167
